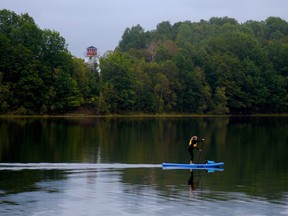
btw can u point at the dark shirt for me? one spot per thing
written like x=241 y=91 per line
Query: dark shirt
x=191 y=147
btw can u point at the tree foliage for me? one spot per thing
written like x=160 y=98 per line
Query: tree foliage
x=217 y=66
x=38 y=74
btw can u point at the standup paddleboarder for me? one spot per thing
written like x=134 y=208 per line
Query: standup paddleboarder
x=193 y=145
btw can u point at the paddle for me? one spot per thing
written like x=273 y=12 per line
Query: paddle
x=200 y=151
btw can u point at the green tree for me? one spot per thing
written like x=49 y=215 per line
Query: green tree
x=87 y=79
x=222 y=21
x=5 y=94
x=220 y=104
x=117 y=70
x=278 y=55
x=67 y=95
x=54 y=51
x=225 y=71
x=133 y=38
x=276 y=28
x=255 y=92
x=38 y=72
x=143 y=88
x=184 y=35
x=277 y=92
x=165 y=31
x=258 y=29
x=162 y=92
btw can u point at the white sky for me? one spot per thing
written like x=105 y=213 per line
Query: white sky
x=101 y=23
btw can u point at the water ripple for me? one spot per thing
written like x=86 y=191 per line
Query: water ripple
x=72 y=166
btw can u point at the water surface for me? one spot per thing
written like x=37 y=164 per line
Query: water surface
x=100 y=166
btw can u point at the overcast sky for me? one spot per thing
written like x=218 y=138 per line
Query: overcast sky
x=101 y=23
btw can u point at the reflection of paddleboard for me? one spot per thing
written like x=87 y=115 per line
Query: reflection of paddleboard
x=209 y=165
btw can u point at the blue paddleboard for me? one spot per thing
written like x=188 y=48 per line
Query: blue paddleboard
x=210 y=165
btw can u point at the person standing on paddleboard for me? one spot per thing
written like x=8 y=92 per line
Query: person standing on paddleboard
x=193 y=145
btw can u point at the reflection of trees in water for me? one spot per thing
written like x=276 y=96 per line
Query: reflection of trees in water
x=12 y=182
x=127 y=140
x=253 y=148
x=154 y=140
x=257 y=148
x=47 y=139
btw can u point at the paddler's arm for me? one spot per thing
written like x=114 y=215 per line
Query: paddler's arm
x=199 y=141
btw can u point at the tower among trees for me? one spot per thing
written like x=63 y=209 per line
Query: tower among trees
x=91 y=52
x=91 y=57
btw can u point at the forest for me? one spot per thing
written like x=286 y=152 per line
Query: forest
x=218 y=66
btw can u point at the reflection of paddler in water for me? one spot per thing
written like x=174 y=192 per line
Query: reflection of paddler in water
x=193 y=145
x=191 y=183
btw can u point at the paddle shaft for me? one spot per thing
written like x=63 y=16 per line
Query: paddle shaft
x=199 y=156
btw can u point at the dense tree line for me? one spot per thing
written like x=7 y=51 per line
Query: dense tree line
x=38 y=75
x=218 y=66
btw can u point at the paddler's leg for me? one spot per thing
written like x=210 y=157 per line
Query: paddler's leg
x=192 y=157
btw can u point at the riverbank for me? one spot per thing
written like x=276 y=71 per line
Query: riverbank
x=138 y=115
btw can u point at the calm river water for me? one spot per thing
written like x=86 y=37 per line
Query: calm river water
x=112 y=166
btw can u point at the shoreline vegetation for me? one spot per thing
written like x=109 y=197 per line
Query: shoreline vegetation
x=211 y=67
x=140 y=115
